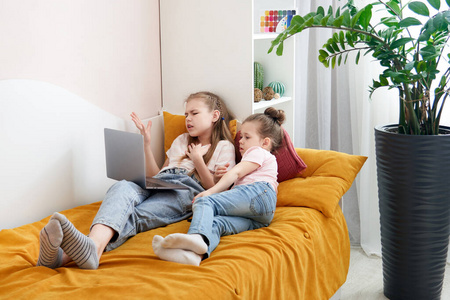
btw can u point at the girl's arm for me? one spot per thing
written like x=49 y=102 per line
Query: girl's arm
x=240 y=170
x=195 y=153
x=151 y=167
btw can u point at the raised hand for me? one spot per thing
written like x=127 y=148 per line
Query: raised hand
x=196 y=152
x=145 y=130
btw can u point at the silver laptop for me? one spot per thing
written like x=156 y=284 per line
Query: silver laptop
x=125 y=159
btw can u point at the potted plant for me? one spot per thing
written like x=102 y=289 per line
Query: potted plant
x=413 y=162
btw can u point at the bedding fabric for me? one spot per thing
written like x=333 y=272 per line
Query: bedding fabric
x=301 y=255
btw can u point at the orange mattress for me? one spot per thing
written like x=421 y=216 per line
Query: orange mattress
x=301 y=255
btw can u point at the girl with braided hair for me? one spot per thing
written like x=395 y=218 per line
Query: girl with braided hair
x=195 y=159
x=250 y=204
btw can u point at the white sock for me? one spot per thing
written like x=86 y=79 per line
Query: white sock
x=192 y=242
x=50 y=238
x=175 y=255
x=76 y=245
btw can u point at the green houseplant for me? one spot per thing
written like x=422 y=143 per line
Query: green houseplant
x=413 y=165
x=410 y=62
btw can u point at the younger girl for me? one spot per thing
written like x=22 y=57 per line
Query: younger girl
x=250 y=204
x=192 y=160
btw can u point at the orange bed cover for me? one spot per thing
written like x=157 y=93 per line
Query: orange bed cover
x=301 y=255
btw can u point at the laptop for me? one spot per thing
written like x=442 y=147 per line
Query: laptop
x=125 y=159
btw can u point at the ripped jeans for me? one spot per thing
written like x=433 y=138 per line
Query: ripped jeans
x=128 y=209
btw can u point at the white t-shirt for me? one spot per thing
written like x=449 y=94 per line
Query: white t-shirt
x=267 y=170
x=224 y=153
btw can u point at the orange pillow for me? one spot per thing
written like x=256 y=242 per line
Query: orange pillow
x=320 y=186
x=174 y=125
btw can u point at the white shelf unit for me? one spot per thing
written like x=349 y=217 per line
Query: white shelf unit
x=276 y=68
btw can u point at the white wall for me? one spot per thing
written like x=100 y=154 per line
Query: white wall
x=52 y=150
x=69 y=69
x=106 y=52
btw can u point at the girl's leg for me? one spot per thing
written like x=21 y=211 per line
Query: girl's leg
x=241 y=208
x=160 y=208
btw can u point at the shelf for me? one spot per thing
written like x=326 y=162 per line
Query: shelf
x=265 y=36
x=267 y=103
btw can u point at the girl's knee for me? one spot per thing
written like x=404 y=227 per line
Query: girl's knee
x=203 y=201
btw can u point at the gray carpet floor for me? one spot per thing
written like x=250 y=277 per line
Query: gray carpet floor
x=365 y=278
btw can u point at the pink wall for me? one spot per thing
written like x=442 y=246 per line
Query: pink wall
x=106 y=52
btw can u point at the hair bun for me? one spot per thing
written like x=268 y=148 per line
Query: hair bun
x=277 y=115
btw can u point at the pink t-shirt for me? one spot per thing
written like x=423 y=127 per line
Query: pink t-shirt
x=267 y=170
x=224 y=153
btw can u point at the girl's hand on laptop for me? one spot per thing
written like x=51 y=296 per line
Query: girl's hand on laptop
x=145 y=130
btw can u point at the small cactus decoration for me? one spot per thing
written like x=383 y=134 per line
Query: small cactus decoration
x=258 y=75
x=277 y=87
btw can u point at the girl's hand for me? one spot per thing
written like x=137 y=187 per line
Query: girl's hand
x=202 y=194
x=220 y=171
x=196 y=152
x=145 y=131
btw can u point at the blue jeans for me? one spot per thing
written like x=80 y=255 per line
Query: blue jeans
x=128 y=209
x=244 y=207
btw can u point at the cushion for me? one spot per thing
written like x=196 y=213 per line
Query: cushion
x=289 y=162
x=328 y=176
x=174 y=125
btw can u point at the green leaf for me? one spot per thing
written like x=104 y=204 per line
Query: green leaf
x=329 y=48
x=428 y=52
x=342 y=40
x=435 y=3
x=395 y=8
x=324 y=20
x=448 y=2
x=356 y=17
x=309 y=22
x=335 y=47
x=323 y=53
x=338 y=21
x=280 y=49
x=419 y=8
x=346 y=18
x=357 y=57
x=383 y=80
x=320 y=11
x=366 y=16
x=297 y=20
x=409 y=22
x=409 y=66
x=339 y=60
x=333 y=62
x=349 y=37
x=400 y=42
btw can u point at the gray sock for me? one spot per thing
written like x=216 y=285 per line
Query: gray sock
x=50 y=238
x=76 y=245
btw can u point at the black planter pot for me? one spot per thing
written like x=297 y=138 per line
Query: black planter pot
x=414 y=198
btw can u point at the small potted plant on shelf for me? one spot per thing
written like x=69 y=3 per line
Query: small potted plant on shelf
x=413 y=156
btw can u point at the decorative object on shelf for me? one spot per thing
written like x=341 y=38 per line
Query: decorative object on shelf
x=258 y=94
x=258 y=75
x=277 y=96
x=277 y=87
x=414 y=206
x=268 y=93
x=275 y=20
